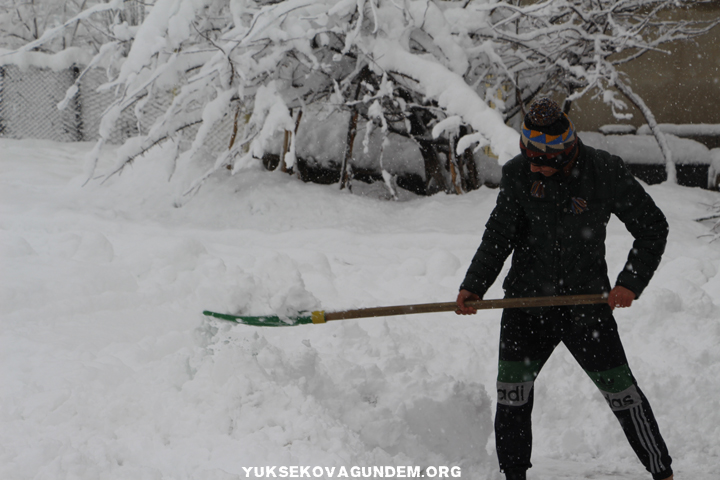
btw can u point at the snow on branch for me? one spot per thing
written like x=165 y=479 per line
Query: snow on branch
x=452 y=94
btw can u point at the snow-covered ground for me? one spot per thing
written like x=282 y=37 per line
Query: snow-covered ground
x=109 y=370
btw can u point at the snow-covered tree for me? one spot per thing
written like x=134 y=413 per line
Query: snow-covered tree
x=449 y=75
x=51 y=26
x=244 y=59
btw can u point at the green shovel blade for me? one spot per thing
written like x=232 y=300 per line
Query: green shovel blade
x=263 y=321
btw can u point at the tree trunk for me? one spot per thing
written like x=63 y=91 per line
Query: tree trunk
x=433 y=169
x=235 y=128
x=455 y=171
x=346 y=169
x=468 y=166
x=286 y=144
x=652 y=123
x=294 y=144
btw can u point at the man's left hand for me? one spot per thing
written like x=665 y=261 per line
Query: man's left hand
x=620 y=297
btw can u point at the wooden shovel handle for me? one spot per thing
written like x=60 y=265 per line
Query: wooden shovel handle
x=478 y=304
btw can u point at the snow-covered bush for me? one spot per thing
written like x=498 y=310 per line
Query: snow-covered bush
x=447 y=75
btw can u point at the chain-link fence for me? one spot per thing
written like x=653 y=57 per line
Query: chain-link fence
x=28 y=104
x=29 y=99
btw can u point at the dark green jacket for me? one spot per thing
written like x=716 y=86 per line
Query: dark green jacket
x=556 y=227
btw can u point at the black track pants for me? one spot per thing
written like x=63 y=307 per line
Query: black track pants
x=526 y=342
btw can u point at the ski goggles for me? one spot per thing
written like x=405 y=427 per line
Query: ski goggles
x=554 y=160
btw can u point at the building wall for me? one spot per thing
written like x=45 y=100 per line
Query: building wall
x=682 y=86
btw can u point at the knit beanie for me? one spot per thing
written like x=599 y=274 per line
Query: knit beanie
x=547 y=135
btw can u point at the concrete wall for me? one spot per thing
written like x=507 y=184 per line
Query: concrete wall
x=680 y=87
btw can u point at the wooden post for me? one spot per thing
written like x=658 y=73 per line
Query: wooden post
x=345 y=170
x=296 y=167
x=455 y=172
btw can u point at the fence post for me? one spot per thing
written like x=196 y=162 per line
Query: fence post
x=77 y=105
x=2 y=102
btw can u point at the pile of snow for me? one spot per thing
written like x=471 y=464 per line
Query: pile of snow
x=62 y=60
x=109 y=370
x=618 y=129
x=685 y=129
x=644 y=149
x=322 y=137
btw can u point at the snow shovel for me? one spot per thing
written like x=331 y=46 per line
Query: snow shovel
x=320 y=316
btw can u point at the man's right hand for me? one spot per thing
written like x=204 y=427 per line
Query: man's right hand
x=462 y=308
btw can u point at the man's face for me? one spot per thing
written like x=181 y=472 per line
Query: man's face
x=547 y=171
